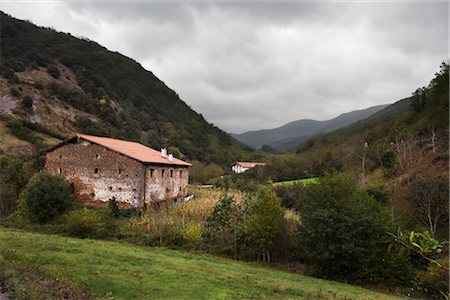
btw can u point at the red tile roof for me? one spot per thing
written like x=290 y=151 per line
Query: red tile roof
x=134 y=150
x=248 y=164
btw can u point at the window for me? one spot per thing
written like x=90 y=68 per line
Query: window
x=162 y=173
x=181 y=174
x=59 y=170
x=120 y=189
x=180 y=188
x=60 y=157
x=110 y=188
x=171 y=173
x=97 y=156
x=120 y=171
x=152 y=172
x=167 y=190
x=134 y=190
x=96 y=171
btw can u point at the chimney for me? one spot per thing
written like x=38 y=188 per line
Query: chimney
x=170 y=157
x=163 y=152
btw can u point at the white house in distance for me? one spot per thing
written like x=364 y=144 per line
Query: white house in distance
x=242 y=166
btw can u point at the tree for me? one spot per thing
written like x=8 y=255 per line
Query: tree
x=53 y=71
x=221 y=225
x=46 y=196
x=341 y=227
x=429 y=198
x=263 y=222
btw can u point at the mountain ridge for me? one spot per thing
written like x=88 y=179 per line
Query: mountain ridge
x=293 y=133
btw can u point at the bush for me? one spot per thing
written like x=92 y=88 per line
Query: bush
x=434 y=281
x=290 y=195
x=53 y=71
x=113 y=207
x=27 y=102
x=82 y=223
x=342 y=228
x=193 y=236
x=46 y=196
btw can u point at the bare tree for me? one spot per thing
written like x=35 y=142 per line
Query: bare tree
x=429 y=197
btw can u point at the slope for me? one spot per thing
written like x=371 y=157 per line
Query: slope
x=295 y=132
x=67 y=84
x=122 y=271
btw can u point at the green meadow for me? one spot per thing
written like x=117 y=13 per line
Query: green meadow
x=104 y=269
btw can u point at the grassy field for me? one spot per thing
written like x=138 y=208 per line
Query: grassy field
x=305 y=181
x=101 y=269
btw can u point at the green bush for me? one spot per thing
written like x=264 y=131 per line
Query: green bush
x=193 y=236
x=46 y=196
x=435 y=280
x=342 y=228
x=82 y=223
x=113 y=207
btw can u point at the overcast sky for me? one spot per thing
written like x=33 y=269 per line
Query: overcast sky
x=247 y=65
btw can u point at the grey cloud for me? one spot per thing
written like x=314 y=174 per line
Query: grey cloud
x=254 y=65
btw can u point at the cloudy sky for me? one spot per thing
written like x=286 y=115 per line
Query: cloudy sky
x=250 y=65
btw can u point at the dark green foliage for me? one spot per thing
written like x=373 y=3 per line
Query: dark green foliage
x=27 y=102
x=435 y=280
x=378 y=193
x=418 y=100
x=47 y=196
x=290 y=195
x=113 y=207
x=388 y=159
x=53 y=71
x=341 y=229
x=263 y=222
x=221 y=226
x=147 y=111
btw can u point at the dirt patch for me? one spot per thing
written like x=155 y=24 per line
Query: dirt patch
x=7 y=104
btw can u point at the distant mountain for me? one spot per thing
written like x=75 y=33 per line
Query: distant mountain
x=53 y=85
x=295 y=132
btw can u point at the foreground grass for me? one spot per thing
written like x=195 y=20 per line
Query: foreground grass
x=101 y=269
x=305 y=181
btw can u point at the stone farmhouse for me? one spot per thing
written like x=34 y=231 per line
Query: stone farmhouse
x=242 y=166
x=101 y=168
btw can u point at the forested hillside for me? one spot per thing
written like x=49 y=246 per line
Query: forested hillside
x=54 y=84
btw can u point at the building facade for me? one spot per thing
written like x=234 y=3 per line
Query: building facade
x=242 y=166
x=101 y=168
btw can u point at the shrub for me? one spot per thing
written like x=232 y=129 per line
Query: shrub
x=290 y=195
x=193 y=236
x=434 y=281
x=53 y=71
x=342 y=228
x=113 y=207
x=46 y=196
x=27 y=102
x=82 y=223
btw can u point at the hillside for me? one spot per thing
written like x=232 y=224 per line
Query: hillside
x=54 y=84
x=96 y=269
x=293 y=133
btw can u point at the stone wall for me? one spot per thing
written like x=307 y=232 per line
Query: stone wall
x=98 y=174
x=166 y=182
